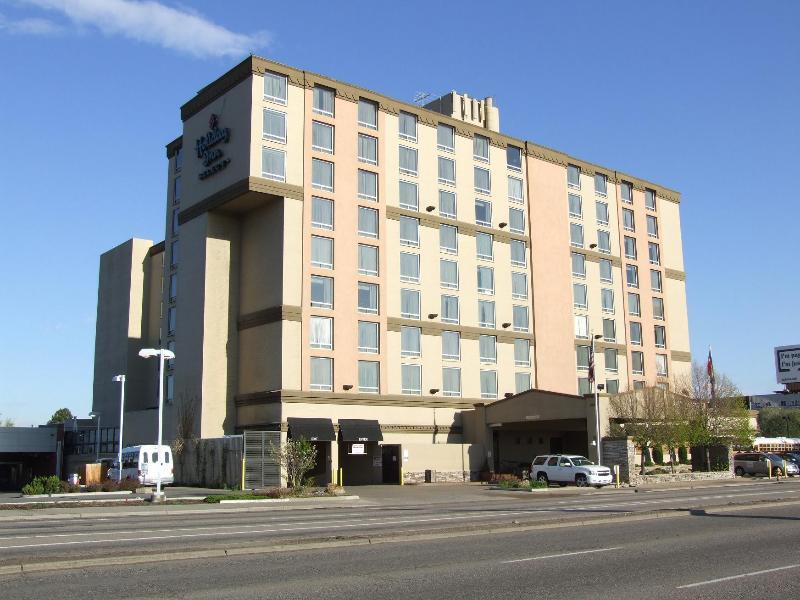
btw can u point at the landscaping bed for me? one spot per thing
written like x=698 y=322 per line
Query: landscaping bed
x=52 y=485
x=278 y=493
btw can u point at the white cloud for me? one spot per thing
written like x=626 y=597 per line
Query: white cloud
x=155 y=23
x=29 y=26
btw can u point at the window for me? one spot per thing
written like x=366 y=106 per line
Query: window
x=448 y=239
x=483 y=212
x=578 y=264
x=632 y=275
x=488 y=384
x=601 y=213
x=410 y=341
x=582 y=327
x=600 y=184
x=322 y=137
x=636 y=333
x=661 y=365
x=321 y=252
x=627 y=220
x=321 y=174
x=169 y=394
x=172 y=314
x=323 y=100
x=485 y=280
x=174 y=253
x=409 y=267
x=487 y=345
x=367 y=297
x=321 y=291
x=451 y=345
x=367 y=149
x=275 y=87
x=367 y=259
x=368 y=337
x=409 y=304
x=321 y=373
x=178 y=159
x=520 y=318
x=368 y=376
x=582 y=354
x=448 y=274
x=603 y=241
x=609 y=330
x=634 y=306
x=514 y=158
x=447 y=204
x=450 y=309
x=652 y=226
x=654 y=252
x=574 y=176
x=273 y=164
x=626 y=189
x=486 y=316
x=176 y=190
x=408 y=160
x=411 y=376
x=522 y=353
x=575 y=206
x=367 y=185
x=484 y=246
x=445 y=138
x=607 y=300
x=579 y=295
x=407 y=126
x=518 y=258
x=660 y=334
x=650 y=199
x=482 y=180
x=321 y=213
x=655 y=280
x=447 y=170
x=630 y=247
x=274 y=125
x=519 y=286
x=409 y=231
x=576 y=235
x=658 y=308
x=610 y=358
x=584 y=387
x=606 y=272
x=368 y=114
x=321 y=330
x=367 y=221
x=173 y=286
x=612 y=386
x=522 y=382
x=637 y=362
x=409 y=197
x=516 y=220
x=515 y=193
x=480 y=148
x=451 y=381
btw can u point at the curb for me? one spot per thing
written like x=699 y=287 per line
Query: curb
x=76 y=495
x=287 y=500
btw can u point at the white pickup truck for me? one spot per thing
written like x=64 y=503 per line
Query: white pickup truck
x=569 y=468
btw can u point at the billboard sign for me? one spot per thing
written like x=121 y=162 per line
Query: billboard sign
x=787 y=364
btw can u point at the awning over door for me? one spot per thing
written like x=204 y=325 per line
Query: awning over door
x=314 y=430
x=360 y=430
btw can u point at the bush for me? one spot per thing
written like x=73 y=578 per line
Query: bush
x=658 y=455
x=43 y=485
x=68 y=488
x=537 y=485
x=683 y=455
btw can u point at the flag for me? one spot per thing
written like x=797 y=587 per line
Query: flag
x=710 y=371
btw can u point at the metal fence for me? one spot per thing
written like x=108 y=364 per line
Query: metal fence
x=261 y=466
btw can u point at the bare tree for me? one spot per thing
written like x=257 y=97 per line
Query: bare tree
x=186 y=421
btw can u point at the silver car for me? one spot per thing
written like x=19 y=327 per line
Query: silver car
x=758 y=463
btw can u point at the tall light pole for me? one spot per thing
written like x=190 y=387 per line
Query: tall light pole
x=162 y=354
x=596 y=400
x=96 y=415
x=121 y=380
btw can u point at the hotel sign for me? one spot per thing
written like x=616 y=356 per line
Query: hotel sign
x=214 y=159
x=787 y=364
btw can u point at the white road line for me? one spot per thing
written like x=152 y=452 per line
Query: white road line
x=752 y=574
x=516 y=560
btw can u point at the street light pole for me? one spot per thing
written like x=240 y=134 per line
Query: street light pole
x=121 y=380
x=96 y=415
x=596 y=401
x=162 y=354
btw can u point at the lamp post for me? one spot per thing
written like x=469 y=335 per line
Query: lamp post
x=786 y=418
x=596 y=400
x=96 y=415
x=121 y=380
x=162 y=354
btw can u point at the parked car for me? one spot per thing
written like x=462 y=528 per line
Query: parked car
x=758 y=463
x=569 y=468
x=793 y=457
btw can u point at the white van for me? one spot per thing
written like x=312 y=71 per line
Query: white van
x=141 y=462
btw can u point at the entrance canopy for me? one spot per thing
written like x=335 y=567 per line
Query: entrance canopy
x=314 y=430
x=535 y=406
x=360 y=430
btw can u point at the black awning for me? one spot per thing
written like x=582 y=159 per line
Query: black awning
x=360 y=430
x=314 y=430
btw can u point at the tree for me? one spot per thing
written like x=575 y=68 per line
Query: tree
x=62 y=415
x=296 y=457
x=8 y=422
x=779 y=422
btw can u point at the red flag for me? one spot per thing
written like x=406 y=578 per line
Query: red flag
x=710 y=371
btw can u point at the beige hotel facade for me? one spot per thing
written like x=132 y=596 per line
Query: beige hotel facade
x=372 y=271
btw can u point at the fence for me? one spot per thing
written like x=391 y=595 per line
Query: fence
x=262 y=468
x=210 y=462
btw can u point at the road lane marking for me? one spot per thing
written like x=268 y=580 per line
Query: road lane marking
x=516 y=560
x=721 y=579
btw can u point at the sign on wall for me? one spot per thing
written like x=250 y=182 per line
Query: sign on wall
x=208 y=150
x=357 y=449
x=787 y=364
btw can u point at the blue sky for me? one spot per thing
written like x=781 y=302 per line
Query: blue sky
x=696 y=95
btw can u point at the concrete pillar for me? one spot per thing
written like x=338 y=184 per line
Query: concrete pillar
x=332 y=469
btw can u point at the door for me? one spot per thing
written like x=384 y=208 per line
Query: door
x=556 y=445
x=391 y=463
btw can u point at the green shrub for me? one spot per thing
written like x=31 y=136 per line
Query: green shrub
x=537 y=485
x=35 y=487
x=43 y=485
x=683 y=455
x=658 y=455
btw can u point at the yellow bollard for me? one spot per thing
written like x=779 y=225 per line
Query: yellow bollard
x=341 y=477
x=785 y=472
x=401 y=475
x=243 y=463
x=616 y=475
x=769 y=468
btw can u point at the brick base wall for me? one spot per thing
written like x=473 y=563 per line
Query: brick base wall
x=440 y=476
